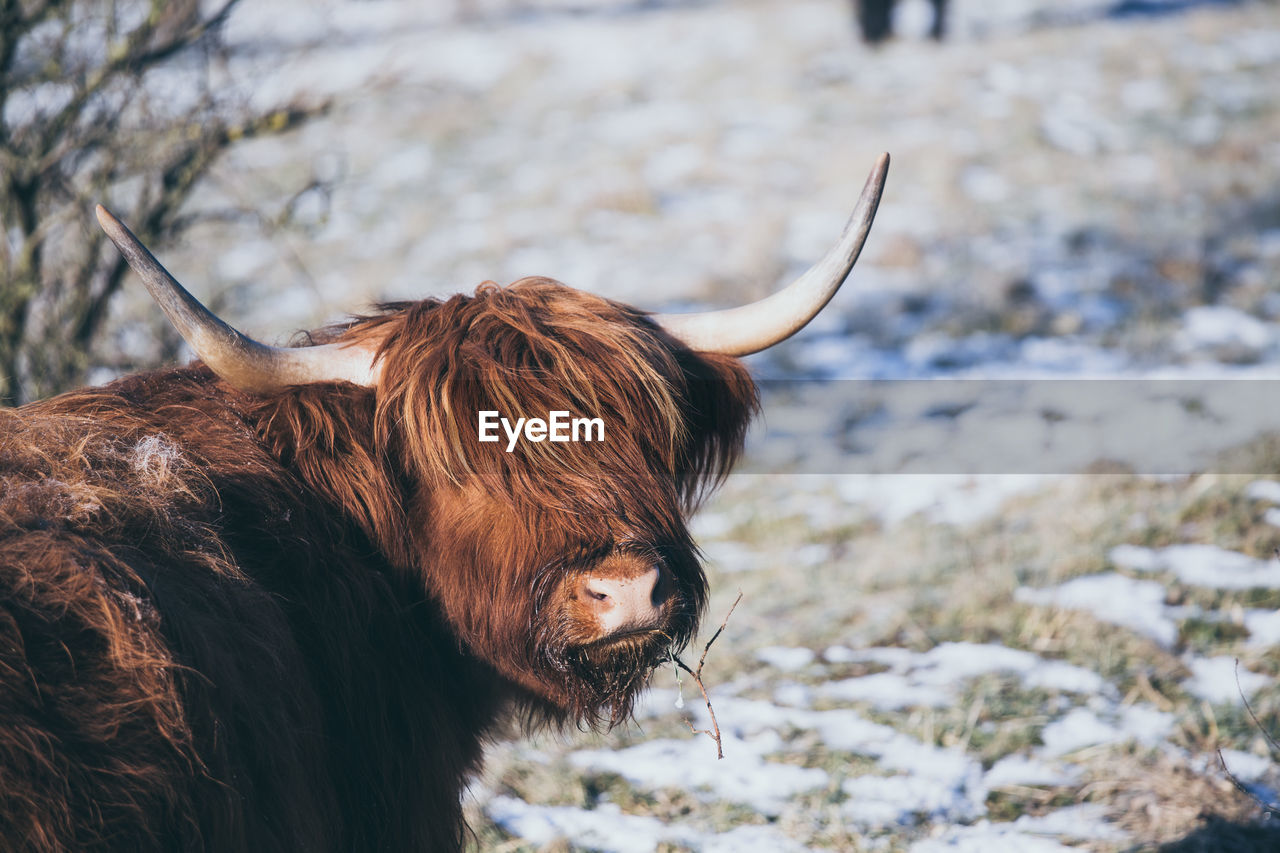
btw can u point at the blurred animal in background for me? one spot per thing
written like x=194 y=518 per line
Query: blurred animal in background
x=277 y=599
x=875 y=19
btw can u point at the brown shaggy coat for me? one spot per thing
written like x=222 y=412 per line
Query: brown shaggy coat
x=288 y=622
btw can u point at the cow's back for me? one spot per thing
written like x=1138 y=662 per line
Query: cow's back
x=196 y=651
x=142 y=669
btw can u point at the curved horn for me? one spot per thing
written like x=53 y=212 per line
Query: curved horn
x=240 y=360
x=760 y=325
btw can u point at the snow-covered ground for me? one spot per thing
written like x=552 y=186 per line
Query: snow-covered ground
x=949 y=639
x=896 y=788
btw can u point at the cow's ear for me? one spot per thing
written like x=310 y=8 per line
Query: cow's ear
x=722 y=401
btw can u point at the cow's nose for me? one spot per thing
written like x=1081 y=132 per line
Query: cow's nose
x=624 y=603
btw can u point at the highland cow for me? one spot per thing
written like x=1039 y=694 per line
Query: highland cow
x=277 y=599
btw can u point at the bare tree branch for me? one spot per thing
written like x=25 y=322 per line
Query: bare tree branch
x=714 y=731
x=88 y=126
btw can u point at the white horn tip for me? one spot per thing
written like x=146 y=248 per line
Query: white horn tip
x=107 y=220
x=879 y=171
x=759 y=325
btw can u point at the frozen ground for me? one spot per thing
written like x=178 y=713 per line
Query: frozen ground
x=990 y=652
x=1139 y=661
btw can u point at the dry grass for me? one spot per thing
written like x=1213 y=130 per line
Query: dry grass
x=1159 y=799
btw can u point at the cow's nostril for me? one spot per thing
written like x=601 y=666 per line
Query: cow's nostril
x=659 y=591
x=624 y=603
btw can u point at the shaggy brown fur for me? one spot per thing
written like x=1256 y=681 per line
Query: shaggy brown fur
x=288 y=622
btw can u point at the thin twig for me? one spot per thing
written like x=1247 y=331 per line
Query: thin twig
x=1271 y=810
x=1274 y=746
x=714 y=731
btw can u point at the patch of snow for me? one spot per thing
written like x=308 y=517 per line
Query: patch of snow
x=784 y=658
x=1078 y=729
x=966 y=660
x=957 y=499
x=890 y=656
x=972 y=659
x=1272 y=516
x=411 y=164
x=1263 y=627
x=1148 y=94
x=1246 y=766
x=934 y=678
x=808 y=556
x=1144 y=724
x=1048 y=356
x=1086 y=821
x=887 y=691
x=1201 y=565
x=1057 y=675
x=607 y=828
x=1082 y=728
x=742 y=777
x=839 y=654
x=984 y=837
x=1209 y=565
x=749 y=838
x=1134 y=557
x=983 y=184
x=1222 y=325
x=933 y=351
x=794 y=695
x=921 y=759
x=1018 y=770
x=1134 y=604
x=1219 y=680
x=1072 y=123
x=751 y=730
x=1264 y=490
x=877 y=801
